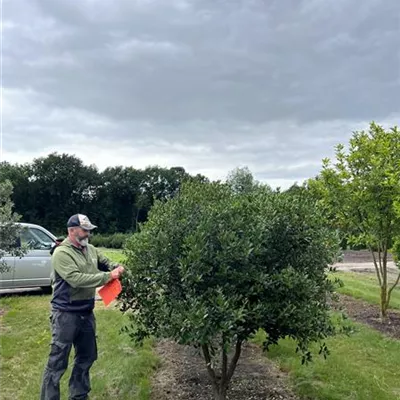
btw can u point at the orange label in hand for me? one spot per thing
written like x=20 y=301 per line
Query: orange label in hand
x=110 y=291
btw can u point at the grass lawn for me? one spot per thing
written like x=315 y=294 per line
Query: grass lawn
x=113 y=254
x=364 y=366
x=366 y=287
x=121 y=372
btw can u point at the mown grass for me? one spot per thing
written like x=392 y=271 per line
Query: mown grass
x=113 y=254
x=121 y=372
x=364 y=286
x=362 y=366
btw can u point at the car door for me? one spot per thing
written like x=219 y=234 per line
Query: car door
x=6 y=277
x=34 y=269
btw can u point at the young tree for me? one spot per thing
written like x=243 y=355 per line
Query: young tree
x=9 y=229
x=361 y=195
x=211 y=267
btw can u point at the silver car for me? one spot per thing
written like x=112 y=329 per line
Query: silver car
x=34 y=268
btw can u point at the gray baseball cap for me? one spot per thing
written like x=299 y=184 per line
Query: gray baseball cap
x=81 y=221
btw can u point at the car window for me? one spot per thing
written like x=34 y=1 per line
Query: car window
x=36 y=239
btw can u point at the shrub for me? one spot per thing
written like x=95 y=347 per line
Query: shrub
x=114 y=241
x=211 y=267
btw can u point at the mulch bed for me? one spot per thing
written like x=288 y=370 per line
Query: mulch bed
x=183 y=376
x=368 y=314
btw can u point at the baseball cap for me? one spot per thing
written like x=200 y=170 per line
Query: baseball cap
x=81 y=221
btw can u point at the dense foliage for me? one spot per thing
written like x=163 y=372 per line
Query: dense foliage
x=51 y=189
x=9 y=228
x=214 y=265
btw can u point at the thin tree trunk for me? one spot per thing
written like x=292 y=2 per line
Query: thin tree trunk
x=220 y=394
x=381 y=272
x=383 y=312
x=377 y=269
x=235 y=359
x=384 y=290
x=210 y=370
x=224 y=366
x=391 y=289
x=220 y=386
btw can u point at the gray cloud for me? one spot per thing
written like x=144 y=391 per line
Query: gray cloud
x=211 y=84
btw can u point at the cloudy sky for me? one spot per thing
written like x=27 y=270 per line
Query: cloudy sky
x=204 y=84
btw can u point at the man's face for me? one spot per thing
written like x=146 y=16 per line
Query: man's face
x=82 y=236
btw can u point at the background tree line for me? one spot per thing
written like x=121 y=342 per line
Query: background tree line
x=50 y=189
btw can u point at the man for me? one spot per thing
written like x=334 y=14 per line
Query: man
x=79 y=268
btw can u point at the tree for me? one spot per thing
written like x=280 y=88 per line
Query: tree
x=296 y=189
x=159 y=184
x=22 y=195
x=241 y=180
x=50 y=189
x=360 y=192
x=9 y=228
x=211 y=267
x=61 y=186
x=118 y=190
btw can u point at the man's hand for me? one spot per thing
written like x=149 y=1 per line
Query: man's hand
x=117 y=272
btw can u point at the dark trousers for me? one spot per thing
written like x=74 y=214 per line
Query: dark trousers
x=70 y=329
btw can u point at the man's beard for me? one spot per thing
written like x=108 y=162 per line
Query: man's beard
x=82 y=241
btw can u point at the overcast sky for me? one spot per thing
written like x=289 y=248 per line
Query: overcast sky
x=204 y=84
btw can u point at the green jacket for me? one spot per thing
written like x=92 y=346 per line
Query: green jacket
x=76 y=275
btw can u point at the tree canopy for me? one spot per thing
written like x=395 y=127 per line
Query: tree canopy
x=50 y=189
x=211 y=266
x=360 y=193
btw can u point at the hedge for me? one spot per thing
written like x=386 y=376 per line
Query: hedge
x=114 y=241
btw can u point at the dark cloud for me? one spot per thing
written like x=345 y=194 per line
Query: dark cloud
x=239 y=82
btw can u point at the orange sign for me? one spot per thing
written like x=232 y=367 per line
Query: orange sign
x=110 y=291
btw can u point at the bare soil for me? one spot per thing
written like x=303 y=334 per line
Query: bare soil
x=363 y=262
x=183 y=376
x=361 y=256
x=368 y=314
